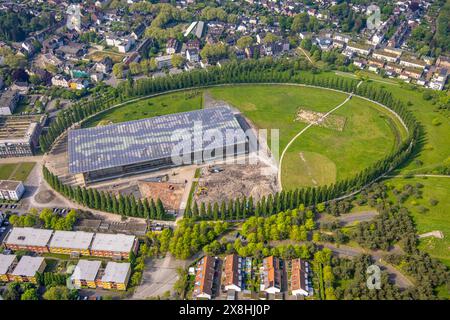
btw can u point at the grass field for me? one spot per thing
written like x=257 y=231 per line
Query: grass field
x=157 y=106
x=16 y=171
x=369 y=135
x=436 y=218
x=327 y=154
x=436 y=145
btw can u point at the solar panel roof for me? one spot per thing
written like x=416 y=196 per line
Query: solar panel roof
x=144 y=140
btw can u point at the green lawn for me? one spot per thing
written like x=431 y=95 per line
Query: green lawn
x=369 y=134
x=436 y=218
x=275 y=106
x=16 y=171
x=436 y=145
x=157 y=106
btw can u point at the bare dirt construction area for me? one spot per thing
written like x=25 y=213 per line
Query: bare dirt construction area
x=169 y=193
x=332 y=121
x=235 y=181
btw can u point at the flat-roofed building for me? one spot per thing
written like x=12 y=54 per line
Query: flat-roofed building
x=19 y=135
x=30 y=239
x=271 y=275
x=299 y=277
x=204 y=278
x=7 y=264
x=71 y=242
x=114 y=245
x=232 y=275
x=27 y=268
x=8 y=102
x=132 y=147
x=85 y=274
x=11 y=190
x=116 y=276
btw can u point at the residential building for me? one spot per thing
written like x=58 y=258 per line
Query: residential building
x=204 y=278
x=114 y=245
x=172 y=46
x=29 y=239
x=271 y=275
x=359 y=48
x=299 y=277
x=232 y=275
x=163 y=61
x=8 y=102
x=60 y=81
x=11 y=190
x=71 y=242
x=116 y=276
x=443 y=62
x=385 y=55
x=104 y=66
x=85 y=274
x=409 y=61
x=27 y=268
x=192 y=55
x=7 y=264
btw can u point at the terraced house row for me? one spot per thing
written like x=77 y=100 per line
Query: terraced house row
x=75 y=243
x=24 y=270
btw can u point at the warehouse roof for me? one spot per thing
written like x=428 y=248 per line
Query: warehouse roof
x=28 y=266
x=71 y=240
x=29 y=237
x=116 y=272
x=5 y=262
x=144 y=140
x=86 y=270
x=113 y=242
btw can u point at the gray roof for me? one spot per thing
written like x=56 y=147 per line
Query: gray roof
x=28 y=266
x=29 y=237
x=5 y=262
x=144 y=140
x=86 y=270
x=71 y=240
x=113 y=242
x=116 y=272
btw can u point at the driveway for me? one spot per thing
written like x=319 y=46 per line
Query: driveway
x=159 y=277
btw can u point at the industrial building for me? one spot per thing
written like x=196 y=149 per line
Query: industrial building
x=19 y=135
x=116 y=150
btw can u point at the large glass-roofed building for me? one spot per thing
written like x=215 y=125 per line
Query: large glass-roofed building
x=110 y=151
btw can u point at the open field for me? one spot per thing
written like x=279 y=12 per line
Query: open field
x=436 y=218
x=16 y=171
x=367 y=137
x=157 y=106
x=97 y=56
x=435 y=149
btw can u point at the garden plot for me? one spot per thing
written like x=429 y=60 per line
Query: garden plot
x=331 y=121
